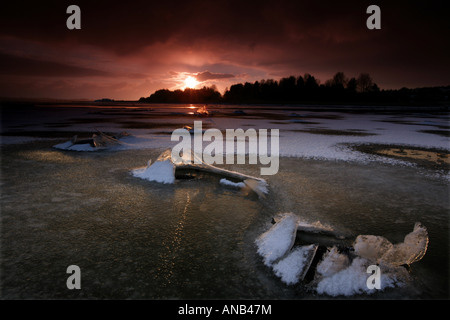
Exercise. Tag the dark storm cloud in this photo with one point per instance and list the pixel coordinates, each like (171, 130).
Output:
(206, 75)
(13, 65)
(127, 26)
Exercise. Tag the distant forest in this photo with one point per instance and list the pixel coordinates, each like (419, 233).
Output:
(306, 89)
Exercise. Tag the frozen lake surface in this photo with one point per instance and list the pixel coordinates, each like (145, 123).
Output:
(195, 239)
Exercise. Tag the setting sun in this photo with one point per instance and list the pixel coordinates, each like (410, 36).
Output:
(190, 82)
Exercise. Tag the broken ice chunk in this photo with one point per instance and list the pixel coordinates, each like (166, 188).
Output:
(98, 141)
(332, 262)
(279, 239)
(378, 249)
(371, 247)
(312, 227)
(160, 171)
(412, 249)
(258, 186)
(294, 266)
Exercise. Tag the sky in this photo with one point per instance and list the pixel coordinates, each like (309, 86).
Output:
(129, 49)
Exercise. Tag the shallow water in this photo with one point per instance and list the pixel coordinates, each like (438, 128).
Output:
(195, 239)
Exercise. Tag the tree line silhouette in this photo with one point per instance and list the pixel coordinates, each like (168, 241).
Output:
(305, 89)
(188, 95)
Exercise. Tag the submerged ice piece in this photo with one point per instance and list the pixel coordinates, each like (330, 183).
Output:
(164, 170)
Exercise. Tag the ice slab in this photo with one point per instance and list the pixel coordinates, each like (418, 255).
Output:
(98, 141)
(259, 186)
(380, 250)
(278, 240)
(412, 249)
(163, 170)
(314, 227)
(371, 247)
(311, 227)
(160, 171)
(294, 266)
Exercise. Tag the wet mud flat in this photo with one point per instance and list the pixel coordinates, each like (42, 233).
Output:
(428, 158)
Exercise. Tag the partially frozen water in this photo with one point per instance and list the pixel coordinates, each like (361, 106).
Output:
(134, 238)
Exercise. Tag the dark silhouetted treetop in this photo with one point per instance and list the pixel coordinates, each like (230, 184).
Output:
(306, 89)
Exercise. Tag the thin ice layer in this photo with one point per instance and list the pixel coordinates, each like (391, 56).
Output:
(294, 266)
(278, 240)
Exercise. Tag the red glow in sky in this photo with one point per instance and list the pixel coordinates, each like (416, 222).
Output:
(127, 50)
